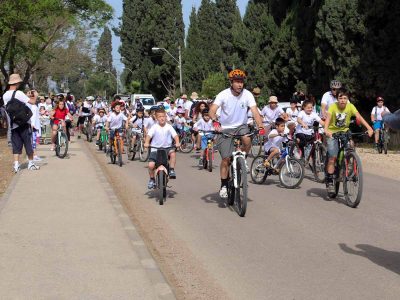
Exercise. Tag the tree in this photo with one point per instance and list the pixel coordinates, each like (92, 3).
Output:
(213, 84)
(28, 28)
(104, 59)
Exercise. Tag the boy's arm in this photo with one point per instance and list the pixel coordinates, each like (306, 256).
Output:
(365, 123)
(107, 125)
(147, 141)
(176, 139)
(300, 121)
(327, 121)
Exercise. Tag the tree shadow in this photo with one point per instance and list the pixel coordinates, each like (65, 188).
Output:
(390, 260)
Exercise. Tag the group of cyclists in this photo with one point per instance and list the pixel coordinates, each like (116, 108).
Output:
(234, 112)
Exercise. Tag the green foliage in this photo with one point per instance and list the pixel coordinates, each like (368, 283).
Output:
(134, 87)
(104, 59)
(213, 84)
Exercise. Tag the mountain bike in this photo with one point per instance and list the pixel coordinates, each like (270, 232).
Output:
(208, 155)
(162, 173)
(117, 148)
(384, 138)
(237, 184)
(186, 141)
(290, 169)
(348, 169)
(315, 151)
(88, 129)
(61, 147)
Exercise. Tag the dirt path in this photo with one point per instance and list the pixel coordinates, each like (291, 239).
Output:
(380, 164)
(6, 159)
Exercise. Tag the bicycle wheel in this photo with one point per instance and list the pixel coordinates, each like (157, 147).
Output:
(352, 179)
(291, 174)
(57, 147)
(205, 162)
(143, 152)
(231, 193)
(162, 189)
(100, 145)
(130, 150)
(241, 190)
(120, 146)
(187, 144)
(113, 155)
(63, 145)
(255, 146)
(258, 171)
(210, 155)
(318, 163)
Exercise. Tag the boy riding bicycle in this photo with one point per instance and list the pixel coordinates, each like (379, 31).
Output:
(204, 124)
(137, 123)
(99, 122)
(338, 120)
(161, 135)
(276, 137)
(376, 117)
(115, 121)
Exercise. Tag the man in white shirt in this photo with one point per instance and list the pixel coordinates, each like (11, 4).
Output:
(181, 101)
(21, 135)
(376, 117)
(329, 97)
(234, 103)
(271, 112)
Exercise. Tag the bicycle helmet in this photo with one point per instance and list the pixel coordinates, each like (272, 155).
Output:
(140, 109)
(115, 103)
(378, 99)
(237, 74)
(180, 111)
(153, 108)
(102, 110)
(336, 84)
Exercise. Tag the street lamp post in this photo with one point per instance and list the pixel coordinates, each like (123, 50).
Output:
(179, 61)
(116, 79)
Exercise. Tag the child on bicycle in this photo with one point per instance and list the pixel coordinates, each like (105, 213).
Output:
(161, 135)
(338, 120)
(276, 137)
(305, 120)
(115, 121)
(204, 124)
(376, 117)
(99, 122)
(179, 121)
(137, 124)
(58, 115)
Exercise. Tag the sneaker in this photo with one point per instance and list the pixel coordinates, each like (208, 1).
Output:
(172, 174)
(33, 167)
(152, 184)
(200, 162)
(267, 164)
(16, 169)
(223, 192)
(37, 158)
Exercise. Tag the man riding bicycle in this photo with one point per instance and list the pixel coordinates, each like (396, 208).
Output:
(233, 103)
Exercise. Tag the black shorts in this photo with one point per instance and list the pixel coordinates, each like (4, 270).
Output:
(81, 120)
(22, 137)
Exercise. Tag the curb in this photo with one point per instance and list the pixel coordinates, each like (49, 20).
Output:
(161, 287)
(7, 194)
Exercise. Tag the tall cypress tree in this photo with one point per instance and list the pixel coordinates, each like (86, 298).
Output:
(104, 52)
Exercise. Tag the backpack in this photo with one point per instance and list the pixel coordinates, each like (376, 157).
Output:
(18, 111)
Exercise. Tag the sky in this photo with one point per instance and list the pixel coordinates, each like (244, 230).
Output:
(187, 8)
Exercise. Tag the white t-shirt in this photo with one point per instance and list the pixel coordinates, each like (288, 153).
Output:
(139, 123)
(309, 120)
(292, 114)
(86, 107)
(203, 125)
(234, 108)
(99, 120)
(270, 115)
(149, 122)
(161, 136)
(179, 122)
(19, 96)
(328, 99)
(180, 102)
(377, 112)
(116, 121)
(275, 142)
(172, 112)
(188, 105)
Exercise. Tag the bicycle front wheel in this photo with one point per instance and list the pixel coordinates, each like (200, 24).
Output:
(242, 188)
(291, 174)
(120, 146)
(63, 145)
(130, 150)
(210, 156)
(187, 144)
(162, 188)
(318, 163)
(352, 179)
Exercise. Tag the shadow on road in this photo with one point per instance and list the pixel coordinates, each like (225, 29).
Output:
(214, 198)
(153, 194)
(388, 259)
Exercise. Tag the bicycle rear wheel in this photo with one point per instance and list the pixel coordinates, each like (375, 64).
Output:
(291, 174)
(318, 163)
(352, 179)
(162, 189)
(241, 190)
(258, 171)
(210, 156)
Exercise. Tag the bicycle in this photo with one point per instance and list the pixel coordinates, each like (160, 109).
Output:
(237, 184)
(384, 138)
(348, 169)
(61, 147)
(162, 172)
(290, 169)
(208, 155)
(186, 141)
(137, 147)
(116, 148)
(88, 129)
(103, 143)
(316, 152)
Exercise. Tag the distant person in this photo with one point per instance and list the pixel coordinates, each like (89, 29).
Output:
(376, 117)
(330, 97)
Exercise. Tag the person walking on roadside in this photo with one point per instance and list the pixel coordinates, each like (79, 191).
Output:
(21, 130)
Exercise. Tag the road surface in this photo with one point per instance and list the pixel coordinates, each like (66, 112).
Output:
(292, 244)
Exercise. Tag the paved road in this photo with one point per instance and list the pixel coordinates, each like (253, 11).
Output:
(292, 244)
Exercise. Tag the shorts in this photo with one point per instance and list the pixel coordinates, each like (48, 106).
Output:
(225, 144)
(153, 155)
(112, 132)
(81, 119)
(22, 137)
(204, 140)
(333, 147)
(377, 125)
